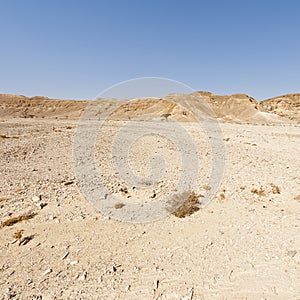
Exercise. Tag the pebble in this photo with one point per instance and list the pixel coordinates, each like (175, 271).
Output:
(37, 198)
(48, 271)
(153, 195)
(127, 287)
(41, 205)
(74, 262)
(83, 276)
(292, 253)
(65, 255)
(155, 284)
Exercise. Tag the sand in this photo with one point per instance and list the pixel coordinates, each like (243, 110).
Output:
(244, 244)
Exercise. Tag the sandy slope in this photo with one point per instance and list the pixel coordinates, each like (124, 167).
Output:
(244, 245)
(238, 108)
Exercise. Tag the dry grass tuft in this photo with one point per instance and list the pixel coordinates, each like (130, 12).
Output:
(18, 234)
(297, 198)
(206, 187)
(18, 219)
(259, 192)
(3, 136)
(184, 205)
(119, 205)
(275, 189)
(222, 196)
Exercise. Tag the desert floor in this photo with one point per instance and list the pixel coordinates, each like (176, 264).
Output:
(244, 245)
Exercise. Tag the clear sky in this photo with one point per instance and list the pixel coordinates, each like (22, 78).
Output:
(75, 49)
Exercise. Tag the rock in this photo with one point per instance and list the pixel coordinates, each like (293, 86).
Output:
(37, 198)
(292, 253)
(127, 287)
(48, 271)
(65, 255)
(83, 276)
(155, 284)
(74, 262)
(25, 240)
(153, 195)
(41, 205)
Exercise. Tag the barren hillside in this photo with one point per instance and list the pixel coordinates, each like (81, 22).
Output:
(287, 106)
(237, 108)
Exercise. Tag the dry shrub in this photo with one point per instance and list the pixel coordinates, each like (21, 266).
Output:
(275, 189)
(297, 198)
(18, 219)
(183, 205)
(18, 234)
(222, 196)
(119, 205)
(3, 136)
(206, 187)
(259, 192)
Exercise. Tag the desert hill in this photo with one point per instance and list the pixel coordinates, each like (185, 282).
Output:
(236, 108)
(287, 106)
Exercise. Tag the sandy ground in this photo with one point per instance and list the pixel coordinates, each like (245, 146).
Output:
(244, 245)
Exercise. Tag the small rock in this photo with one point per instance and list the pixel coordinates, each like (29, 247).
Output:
(153, 195)
(127, 287)
(65, 255)
(37, 198)
(25, 240)
(155, 284)
(83, 276)
(292, 253)
(68, 182)
(74, 262)
(41, 205)
(48, 271)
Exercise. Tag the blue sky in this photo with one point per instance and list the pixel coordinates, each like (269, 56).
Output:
(76, 49)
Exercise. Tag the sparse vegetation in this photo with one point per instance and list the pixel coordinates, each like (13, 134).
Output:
(119, 205)
(3, 136)
(18, 234)
(297, 198)
(222, 196)
(183, 208)
(275, 189)
(206, 187)
(260, 192)
(18, 219)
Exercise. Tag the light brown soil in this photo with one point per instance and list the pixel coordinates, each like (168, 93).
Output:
(244, 245)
